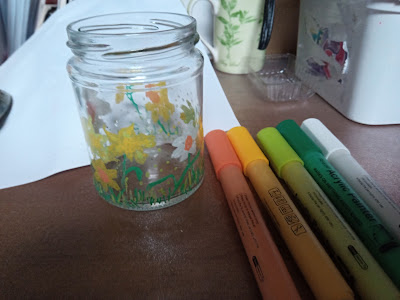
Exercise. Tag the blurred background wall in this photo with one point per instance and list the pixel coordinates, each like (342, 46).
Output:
(19, 19)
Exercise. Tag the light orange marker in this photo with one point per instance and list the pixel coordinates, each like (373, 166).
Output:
(269, 269)
(319, 271)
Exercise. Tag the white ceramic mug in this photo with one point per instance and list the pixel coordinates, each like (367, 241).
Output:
(237, 29)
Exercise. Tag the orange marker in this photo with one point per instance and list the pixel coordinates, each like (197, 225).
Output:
(270, 271)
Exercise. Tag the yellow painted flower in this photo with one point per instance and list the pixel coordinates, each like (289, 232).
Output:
(105, 176)
(200, 137)
(95, 140)
(119, 96)
(159, 104)
(127, 142)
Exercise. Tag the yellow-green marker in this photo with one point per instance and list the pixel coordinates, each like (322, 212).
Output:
(367, 277)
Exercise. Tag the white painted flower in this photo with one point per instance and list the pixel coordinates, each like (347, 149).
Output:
(185, 144)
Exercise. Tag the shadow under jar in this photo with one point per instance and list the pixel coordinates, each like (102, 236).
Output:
(138, 81)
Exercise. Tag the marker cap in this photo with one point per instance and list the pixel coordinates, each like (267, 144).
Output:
(297, 138)
(322, 137)
(221, 151)
(276, 149)
(245, 146)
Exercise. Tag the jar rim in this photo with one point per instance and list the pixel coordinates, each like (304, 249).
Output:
(75, 27)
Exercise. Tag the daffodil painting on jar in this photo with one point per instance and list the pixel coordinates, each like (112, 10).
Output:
(148, 153)
(139, 90)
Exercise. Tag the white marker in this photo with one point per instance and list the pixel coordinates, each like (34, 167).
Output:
(366, 187)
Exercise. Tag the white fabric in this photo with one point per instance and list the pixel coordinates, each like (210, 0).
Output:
(43, 135)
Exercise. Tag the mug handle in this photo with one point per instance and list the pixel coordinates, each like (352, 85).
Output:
(215, 4)
(268, 21)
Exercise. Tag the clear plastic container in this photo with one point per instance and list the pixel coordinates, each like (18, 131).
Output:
(138, 81)
(276, 81)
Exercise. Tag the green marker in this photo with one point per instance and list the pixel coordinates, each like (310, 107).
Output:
(358, 266)
(360, 217)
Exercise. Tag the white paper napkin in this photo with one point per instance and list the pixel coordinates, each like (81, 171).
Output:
(43, 135)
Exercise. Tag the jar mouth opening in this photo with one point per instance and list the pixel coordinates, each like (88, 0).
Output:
(134, 24)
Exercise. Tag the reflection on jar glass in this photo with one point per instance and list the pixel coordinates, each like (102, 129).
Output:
(138, 83)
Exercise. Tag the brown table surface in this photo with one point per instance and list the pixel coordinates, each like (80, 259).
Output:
(59, 239)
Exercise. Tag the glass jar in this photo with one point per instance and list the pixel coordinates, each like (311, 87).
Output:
(138, 81)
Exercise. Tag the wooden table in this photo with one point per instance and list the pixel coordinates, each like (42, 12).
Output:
(59, 239)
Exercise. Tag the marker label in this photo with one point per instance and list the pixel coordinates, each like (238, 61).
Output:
(375, 191)
(242, 206)
(284, 208)
(358, 213)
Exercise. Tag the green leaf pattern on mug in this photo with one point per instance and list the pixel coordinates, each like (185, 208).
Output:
(232, 25)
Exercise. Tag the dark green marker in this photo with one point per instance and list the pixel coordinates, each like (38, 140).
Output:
(360, 217)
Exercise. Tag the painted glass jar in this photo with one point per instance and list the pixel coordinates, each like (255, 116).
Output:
(137, 78)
